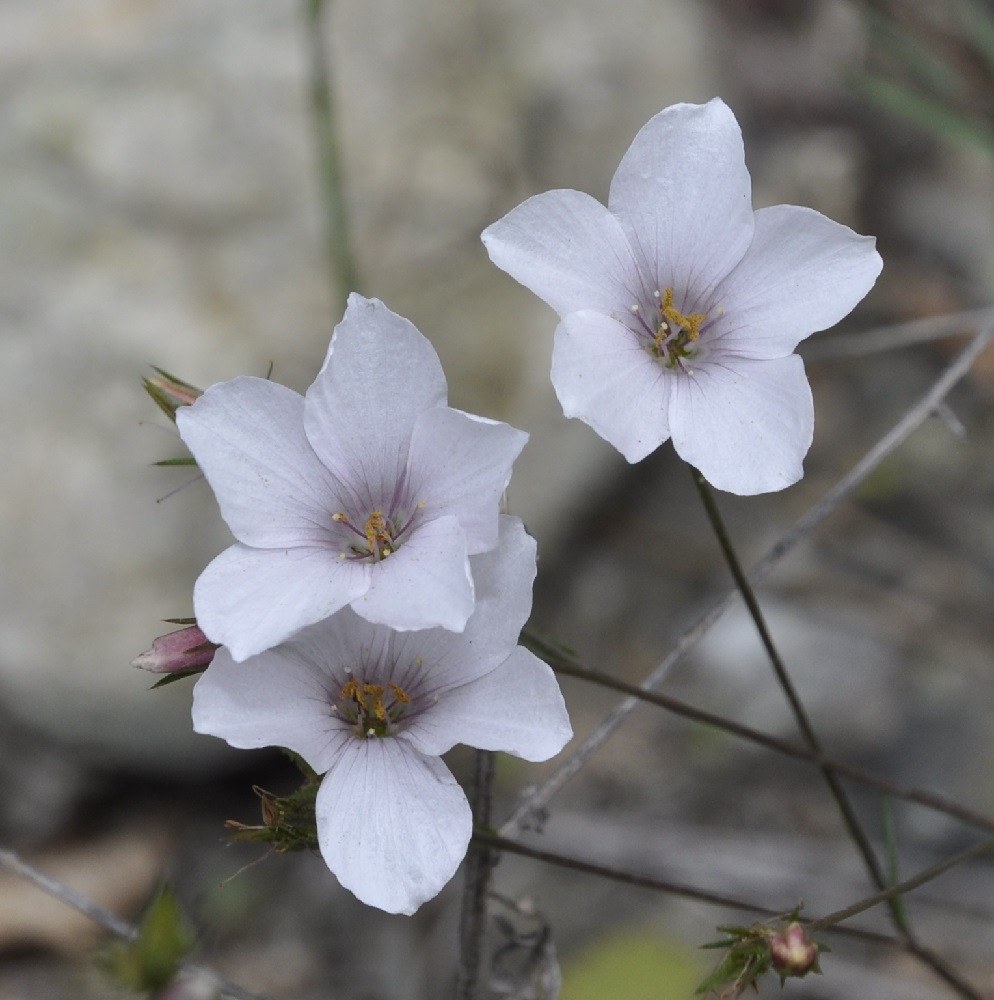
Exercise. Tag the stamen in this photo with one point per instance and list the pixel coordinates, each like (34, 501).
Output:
(352, 692)
(400, 694)
(675, 332)
(375, 692)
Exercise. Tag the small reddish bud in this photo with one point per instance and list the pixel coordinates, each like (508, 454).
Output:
(170, 392)
(185, 649)
(792, 952)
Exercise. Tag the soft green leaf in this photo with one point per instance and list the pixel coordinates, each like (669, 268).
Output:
(164, 939)
(928, 114)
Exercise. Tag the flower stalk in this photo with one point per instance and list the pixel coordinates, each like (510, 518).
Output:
(846, 811)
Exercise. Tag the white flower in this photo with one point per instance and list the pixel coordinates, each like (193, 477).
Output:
(369, 491)
(371, 709)
(680, 307)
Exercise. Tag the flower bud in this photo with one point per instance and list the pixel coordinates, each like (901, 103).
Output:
(792, 952)
(170, 393)
(185, 649)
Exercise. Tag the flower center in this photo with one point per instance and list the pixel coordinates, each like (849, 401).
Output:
(379, 537)
(675, 333)
(371, 709)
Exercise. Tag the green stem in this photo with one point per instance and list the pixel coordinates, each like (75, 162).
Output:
(896, 891)
(341, 259)
(846, 811)
(783, 678)
(479, 865)
(642, 881)
(565, 663)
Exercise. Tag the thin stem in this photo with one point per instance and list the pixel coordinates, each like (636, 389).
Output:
(846, 811)
(110, 922)
(679, 889)
(849, 818)
(898, 890)
(564, 663)
(897, 335)
(341, 259)
(536, 799)
(479, 866)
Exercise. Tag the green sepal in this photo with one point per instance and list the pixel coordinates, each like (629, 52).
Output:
(178, 675)
(288, 822)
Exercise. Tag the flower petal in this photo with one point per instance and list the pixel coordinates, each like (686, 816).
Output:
(393, 825)
(380, 374)
(745, 425)
(569, 250)
(683, 196)
(802, 273)
(270, 700)
(503, 581)
(424, 584)
(251, 599)
(247, 436)
(604, 376)
(460, 465)
(517, 708)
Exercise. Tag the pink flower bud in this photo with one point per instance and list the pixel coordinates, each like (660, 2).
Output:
(170, 393)
(185, 649)
(792, 952)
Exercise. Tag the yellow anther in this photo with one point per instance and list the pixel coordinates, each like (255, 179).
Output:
(352, 692)
(691, 324)
(376, 528)
(375, 692)
(340, 517)
(400, 694)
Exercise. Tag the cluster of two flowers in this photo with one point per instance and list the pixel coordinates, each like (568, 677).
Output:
(370, 609)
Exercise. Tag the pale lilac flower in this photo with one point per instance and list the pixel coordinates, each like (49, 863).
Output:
(372, 709)
(369, 491)
(680, 307)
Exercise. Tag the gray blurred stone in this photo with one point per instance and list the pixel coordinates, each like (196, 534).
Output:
(158, 204)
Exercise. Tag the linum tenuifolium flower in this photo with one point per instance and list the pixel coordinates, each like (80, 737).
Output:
(372, 708)
(680, 307)
(369, 491)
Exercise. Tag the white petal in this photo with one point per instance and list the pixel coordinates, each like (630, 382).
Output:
(426, 583)
(569, 250)
(380, 374)
(603, 375)
(503, 581)
(393, 825)
(251, 599)
(460, 465)
(745, 424)
(270, 700)
(247, 436)
(517, 708)
(683, 195)
(802, 273)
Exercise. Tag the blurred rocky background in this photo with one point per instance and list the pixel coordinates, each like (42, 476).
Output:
(160, 204)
